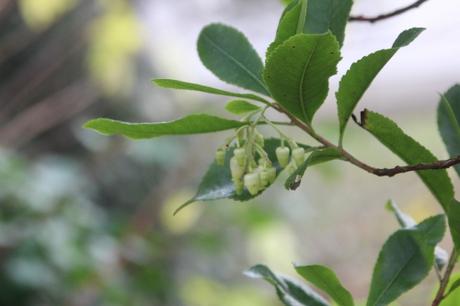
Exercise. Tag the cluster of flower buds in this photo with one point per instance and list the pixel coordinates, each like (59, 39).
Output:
(247, 174)
(250, 166)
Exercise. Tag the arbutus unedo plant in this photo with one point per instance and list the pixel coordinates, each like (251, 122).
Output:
(294, 81)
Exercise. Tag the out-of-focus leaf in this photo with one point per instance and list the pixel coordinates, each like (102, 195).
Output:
(454, 223)
(298, 73)
(175, 84)
(240, 107)
(405, 260)
(193, 124)
(217, 182)
(229, 55)
(325, 279)
(315, 158)
(289, 292)
(406, 221)
(411, 152)
(361, 74)
(448, 121)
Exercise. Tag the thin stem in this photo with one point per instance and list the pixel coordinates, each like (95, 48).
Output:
(388, 15)
(390, 172)
(440, 295)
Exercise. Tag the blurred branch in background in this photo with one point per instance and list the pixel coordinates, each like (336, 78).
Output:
(373, 19)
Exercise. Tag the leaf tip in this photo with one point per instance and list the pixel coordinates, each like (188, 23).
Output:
(180, 208)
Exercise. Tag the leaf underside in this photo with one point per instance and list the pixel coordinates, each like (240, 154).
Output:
(289, 291)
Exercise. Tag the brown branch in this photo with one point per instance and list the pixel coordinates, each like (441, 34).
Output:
(390, 172)
(440, 295)
(394, 13)
(441, 164)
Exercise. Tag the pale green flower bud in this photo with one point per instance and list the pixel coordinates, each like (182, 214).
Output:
(282, 153)
(298, 154)
(239, 186)
(236, 170)
(252, 183)
(240, 155)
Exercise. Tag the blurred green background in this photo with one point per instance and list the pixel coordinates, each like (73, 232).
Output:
(87, 220)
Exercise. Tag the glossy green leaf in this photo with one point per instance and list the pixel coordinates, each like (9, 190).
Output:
(325, 279)
(290, 292)
(405, 260)
(217, 183)
(315, 158)
(361, 74)
(454, 223)
(193, 124)
(229, 55)
(406, 221)
(241, 107)
(313, 17)
(175, 84)
(448, 121)
(298, 73)
(411, 152)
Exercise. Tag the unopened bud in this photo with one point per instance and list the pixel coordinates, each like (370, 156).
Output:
(298, 154)
(236, 170)
(282, 153)
(240, 155)
(252, 183)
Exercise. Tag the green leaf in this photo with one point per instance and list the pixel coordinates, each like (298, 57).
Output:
(298, 73)
(406, 221)
(313, 17)
(217, 183)
(193, 124)
(315, 158)
(405, 260)
(241, 107)
(289, 292)
(361, 74)
(325, 279)
(455, 285)
(411, 152)
(448, 121)
(175, 84)
(454, 223)
(229, 55)
(325, 15)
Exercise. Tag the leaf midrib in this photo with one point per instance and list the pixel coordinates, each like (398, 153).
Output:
(302, 79)
(397, 274)
(251, 74)
(334, 289)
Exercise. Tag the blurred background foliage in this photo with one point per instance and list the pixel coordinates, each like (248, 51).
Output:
(87, 220)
